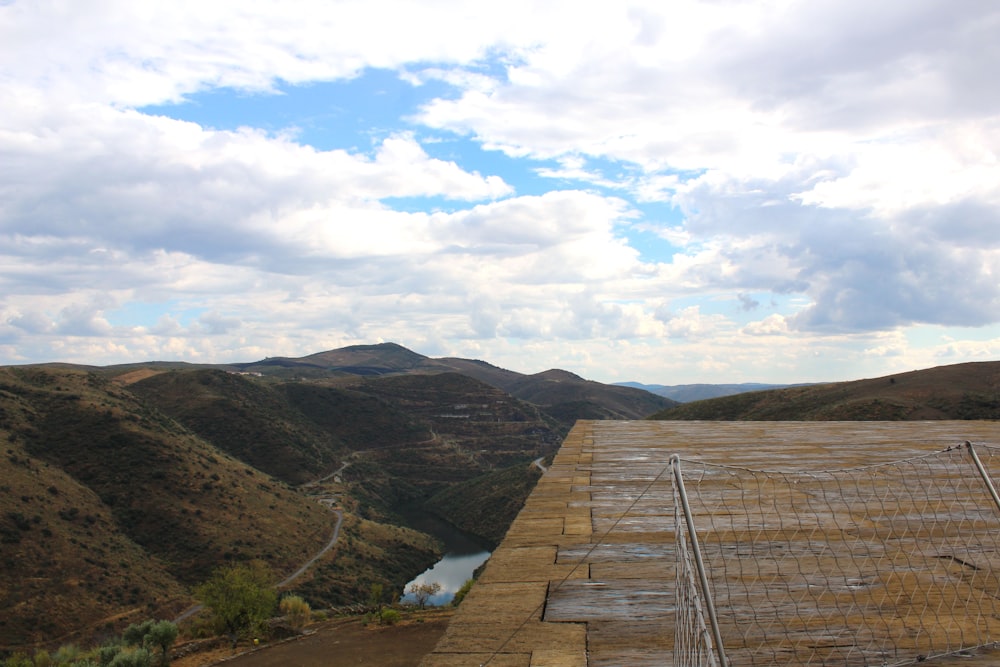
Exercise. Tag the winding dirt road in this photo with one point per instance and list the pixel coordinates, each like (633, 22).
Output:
(299, 572)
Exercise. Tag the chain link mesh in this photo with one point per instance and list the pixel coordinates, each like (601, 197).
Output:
(882, 565)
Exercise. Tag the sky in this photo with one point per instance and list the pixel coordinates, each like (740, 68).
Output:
(664, 192)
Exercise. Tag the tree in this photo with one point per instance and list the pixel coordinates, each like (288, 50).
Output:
(376, 599)
(150, 633)
(162, 634)
(424, 592)
(135, 634)
(107, 652)
(240, 597)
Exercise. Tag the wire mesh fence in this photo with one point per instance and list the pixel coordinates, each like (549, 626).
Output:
(887, 564)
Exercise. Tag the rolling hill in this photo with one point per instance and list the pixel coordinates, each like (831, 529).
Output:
(960, 391)
(124, 486)
(111, 511)
(561, 394)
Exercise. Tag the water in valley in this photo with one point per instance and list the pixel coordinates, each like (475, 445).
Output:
(463, 553)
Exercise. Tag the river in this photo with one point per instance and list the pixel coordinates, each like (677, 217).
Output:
(463, 553)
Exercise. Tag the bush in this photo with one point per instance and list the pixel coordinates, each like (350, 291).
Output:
(296, 611)
(462, 592)
(390, 617)
(68, 654)
(132, 657)
(19, 660)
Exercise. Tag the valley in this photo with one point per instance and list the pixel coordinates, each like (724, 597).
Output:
(124, 487)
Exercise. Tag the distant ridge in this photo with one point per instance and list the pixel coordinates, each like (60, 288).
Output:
(960, 391)
(685, 393)
(564, 395)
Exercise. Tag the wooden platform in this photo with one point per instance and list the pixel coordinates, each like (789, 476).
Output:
(578, 581)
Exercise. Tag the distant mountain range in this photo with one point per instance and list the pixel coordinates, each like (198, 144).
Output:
(685, 393)
(563, 395)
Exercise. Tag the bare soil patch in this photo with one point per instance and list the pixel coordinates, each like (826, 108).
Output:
(135, 376)
(339, 642)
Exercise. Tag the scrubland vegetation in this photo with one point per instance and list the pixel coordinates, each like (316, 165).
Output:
(123, 489)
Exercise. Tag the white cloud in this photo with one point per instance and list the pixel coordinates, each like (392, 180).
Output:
(771, 325)
(841, 153)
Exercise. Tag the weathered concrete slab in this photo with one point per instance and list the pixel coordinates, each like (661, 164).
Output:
(585, 575)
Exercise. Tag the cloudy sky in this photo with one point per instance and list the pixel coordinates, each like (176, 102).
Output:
(665, 192)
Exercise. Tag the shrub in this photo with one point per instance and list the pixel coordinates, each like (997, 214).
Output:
(19, 660)
(68, 654)
(296, 611)
(462, 592)
(132, 657)
(390, 617)
(107, 652)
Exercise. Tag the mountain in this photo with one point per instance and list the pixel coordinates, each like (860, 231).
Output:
(111, 511)
(960, 391)
(685, 393)
(124, 486)
(568, 397)
(561, 394)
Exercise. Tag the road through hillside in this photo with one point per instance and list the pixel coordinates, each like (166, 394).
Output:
(299, 572)
(333, 540)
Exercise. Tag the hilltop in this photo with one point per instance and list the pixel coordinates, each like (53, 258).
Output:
(960, 391)
(560, 393)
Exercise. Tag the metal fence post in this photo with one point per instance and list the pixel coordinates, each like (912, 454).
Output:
(675, 464)
(982, 473)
